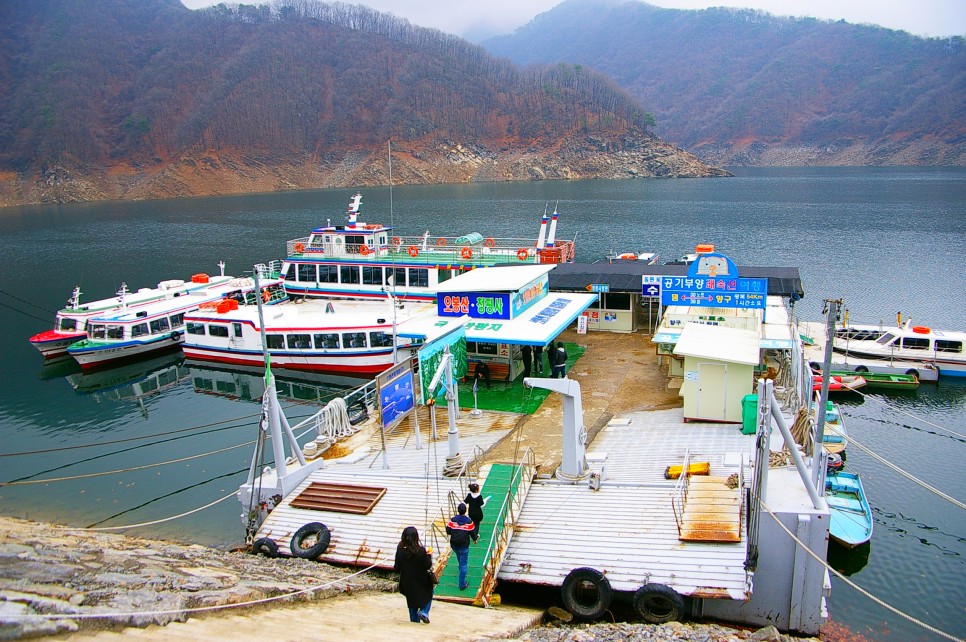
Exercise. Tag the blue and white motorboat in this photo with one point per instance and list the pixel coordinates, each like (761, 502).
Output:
(850, 521)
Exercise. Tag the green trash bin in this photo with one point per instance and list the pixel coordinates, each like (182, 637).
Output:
(749, 414)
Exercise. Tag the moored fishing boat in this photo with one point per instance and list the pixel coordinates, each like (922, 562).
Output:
(850, 520)
(912, 346)
(131, 332)
(839, 383)
(883, 380)
(834, 436)
(364, 260)
(70, 323)
(343, 336)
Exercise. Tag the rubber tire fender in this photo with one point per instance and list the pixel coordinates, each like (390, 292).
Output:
(569, 593)
(658, 603)
(913, 371)
(265, 546)
(323, 536)
(861, 369)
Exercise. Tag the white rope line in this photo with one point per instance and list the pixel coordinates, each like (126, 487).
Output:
(123, 470)
(197, 609)
(908, 476)
(157, 521)
(856, 586)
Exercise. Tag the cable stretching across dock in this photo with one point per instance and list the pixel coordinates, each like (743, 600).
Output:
(909, 414)
(858, 588)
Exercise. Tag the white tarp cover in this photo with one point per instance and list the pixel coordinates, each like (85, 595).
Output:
(539, 324)
(494, 279)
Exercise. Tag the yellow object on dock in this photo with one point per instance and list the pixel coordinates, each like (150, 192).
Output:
(697, 468)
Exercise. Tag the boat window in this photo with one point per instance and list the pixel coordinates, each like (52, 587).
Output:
(349, 274)
(139, 330)
(236, 329)
(177, 320)
(354, 339)
(327, 341)
(196, 328)
(275, 341)
(159, 325)
(97, 332)
(444, 275)
(355, 239)
(886, 339)
(372, 275)
(289, 272)
(380, 339)
(328, 274)
(945, 345)
(68, 324)
(115, 332)
(306, 272)
(916, 343)
(218, 330)
(299, 341)
(389, 274)
(419, 277)
(617, 301)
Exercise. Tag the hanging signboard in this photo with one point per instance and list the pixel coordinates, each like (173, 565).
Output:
(396, 398)
(651, 286)
(713, 281)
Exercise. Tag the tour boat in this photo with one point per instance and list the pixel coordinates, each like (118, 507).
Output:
(910, 345)
(850, 516)
(70, 324)
(343, 336)
(364, 260)
(131, 332)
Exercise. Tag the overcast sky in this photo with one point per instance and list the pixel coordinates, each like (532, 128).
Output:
(475, 19)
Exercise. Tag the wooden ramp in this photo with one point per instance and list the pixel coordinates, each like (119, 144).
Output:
(712, 511)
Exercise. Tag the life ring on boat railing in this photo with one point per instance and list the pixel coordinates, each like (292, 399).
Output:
(266, 295)
(466, 253)
(396, 241)
(489, 242)
(313, 531)
(658, 603)
(921, 329)
(441, 241)
(364, 250)
(586, 593)
(299, 248)
(265, 546)
(413, 251)
(523, 254)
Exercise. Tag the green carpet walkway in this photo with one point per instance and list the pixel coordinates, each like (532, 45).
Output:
(498, 483)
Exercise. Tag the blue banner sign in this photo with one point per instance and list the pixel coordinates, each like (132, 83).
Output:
(489, 305)
(713, 281)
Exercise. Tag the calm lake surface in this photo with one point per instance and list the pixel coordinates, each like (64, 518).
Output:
(883, 239)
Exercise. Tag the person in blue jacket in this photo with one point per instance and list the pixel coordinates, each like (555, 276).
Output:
(461, 531)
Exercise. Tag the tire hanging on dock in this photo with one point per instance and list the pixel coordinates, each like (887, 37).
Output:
(586, 593)
(321, 534)
(658, 604)
(265, 546)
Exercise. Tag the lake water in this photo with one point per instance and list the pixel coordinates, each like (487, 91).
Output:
(883, 239)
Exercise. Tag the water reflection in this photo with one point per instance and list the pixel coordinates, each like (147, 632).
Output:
(848, 561)
(241, 383)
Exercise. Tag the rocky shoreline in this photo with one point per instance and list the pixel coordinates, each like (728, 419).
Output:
(76, 574)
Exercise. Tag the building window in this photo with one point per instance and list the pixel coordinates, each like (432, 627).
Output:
(617, 301)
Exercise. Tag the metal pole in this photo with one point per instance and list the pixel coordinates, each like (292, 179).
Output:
(818, 452)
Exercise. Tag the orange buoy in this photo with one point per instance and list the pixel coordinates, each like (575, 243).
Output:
(489, 242)
(466, 253)
(396, 241)
(921, 329)
(364, 250)
(199, 278)
(413, 251)
(299, 248)
(441, 241)
(522, 254)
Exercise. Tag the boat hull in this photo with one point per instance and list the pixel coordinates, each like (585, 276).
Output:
(850, 522)
(358, 364)
(90, 354)
(53, 344)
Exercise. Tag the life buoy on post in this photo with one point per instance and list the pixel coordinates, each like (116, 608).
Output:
(364, 250)
(466, 253)
(299, 248)
(586, 593)
(413, 251)
(441, 241)
(523, 254)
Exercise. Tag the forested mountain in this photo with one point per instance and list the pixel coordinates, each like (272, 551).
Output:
(144, 98)
(744, 87)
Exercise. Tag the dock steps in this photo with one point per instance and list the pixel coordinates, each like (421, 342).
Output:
(712, 511)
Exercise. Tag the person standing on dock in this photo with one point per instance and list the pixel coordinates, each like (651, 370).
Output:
(475, 502)
(460, 531)
(415, 564)
(538, 359)
(527, 359)
(559, 360)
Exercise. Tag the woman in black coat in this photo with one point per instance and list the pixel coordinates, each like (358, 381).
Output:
(414, 563)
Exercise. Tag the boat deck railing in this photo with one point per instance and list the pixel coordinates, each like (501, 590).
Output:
(680, 495)
(439, 250)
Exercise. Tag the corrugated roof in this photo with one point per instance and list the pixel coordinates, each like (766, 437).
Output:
(719, 343)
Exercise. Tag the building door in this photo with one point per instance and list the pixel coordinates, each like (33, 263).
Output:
(712, 386)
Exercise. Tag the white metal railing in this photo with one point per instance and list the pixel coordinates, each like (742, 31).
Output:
(680, 494)
(433, 249)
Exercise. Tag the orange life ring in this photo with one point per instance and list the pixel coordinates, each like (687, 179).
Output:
(921, 329)
(299, 248)
(466, 253)
(441, 241)
(413, 251)
(489, 242)
(266, 295)
(364, 250)
(522, 254)
(396, 241)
